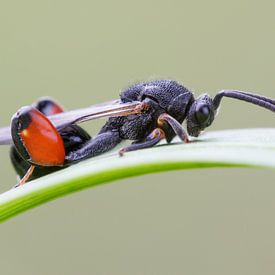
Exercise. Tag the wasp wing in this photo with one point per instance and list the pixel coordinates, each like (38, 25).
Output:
(5, 136)
(111, 109)
(107, 109)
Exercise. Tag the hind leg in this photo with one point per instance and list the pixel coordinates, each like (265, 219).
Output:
(94, 147)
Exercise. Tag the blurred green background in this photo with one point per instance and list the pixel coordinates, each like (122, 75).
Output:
(214, 221)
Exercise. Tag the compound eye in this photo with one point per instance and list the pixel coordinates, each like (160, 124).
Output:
(203, 114)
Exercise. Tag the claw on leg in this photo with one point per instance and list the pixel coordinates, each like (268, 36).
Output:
(176, 126)
(156, 136)
(26, 177)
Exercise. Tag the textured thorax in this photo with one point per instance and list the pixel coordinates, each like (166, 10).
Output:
(167, 96)
(171, 96)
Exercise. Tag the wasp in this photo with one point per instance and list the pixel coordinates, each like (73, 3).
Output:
(45, 138)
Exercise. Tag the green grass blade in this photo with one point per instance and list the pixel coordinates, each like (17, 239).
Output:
(231, 148)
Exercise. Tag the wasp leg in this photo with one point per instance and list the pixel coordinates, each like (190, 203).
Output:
(156, 136)
(94, 147)
(176, 126)
(26, 177)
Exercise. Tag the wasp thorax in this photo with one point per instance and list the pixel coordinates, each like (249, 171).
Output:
(201, 115)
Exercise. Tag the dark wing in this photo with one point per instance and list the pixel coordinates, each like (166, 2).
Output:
(107, 109)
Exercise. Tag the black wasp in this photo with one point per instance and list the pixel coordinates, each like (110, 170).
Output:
(44, 138)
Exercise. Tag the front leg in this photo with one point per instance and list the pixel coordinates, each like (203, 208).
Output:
(102, 143)
(158, 134)
(175, 125)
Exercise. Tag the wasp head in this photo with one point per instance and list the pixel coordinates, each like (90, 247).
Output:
(201, 115)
